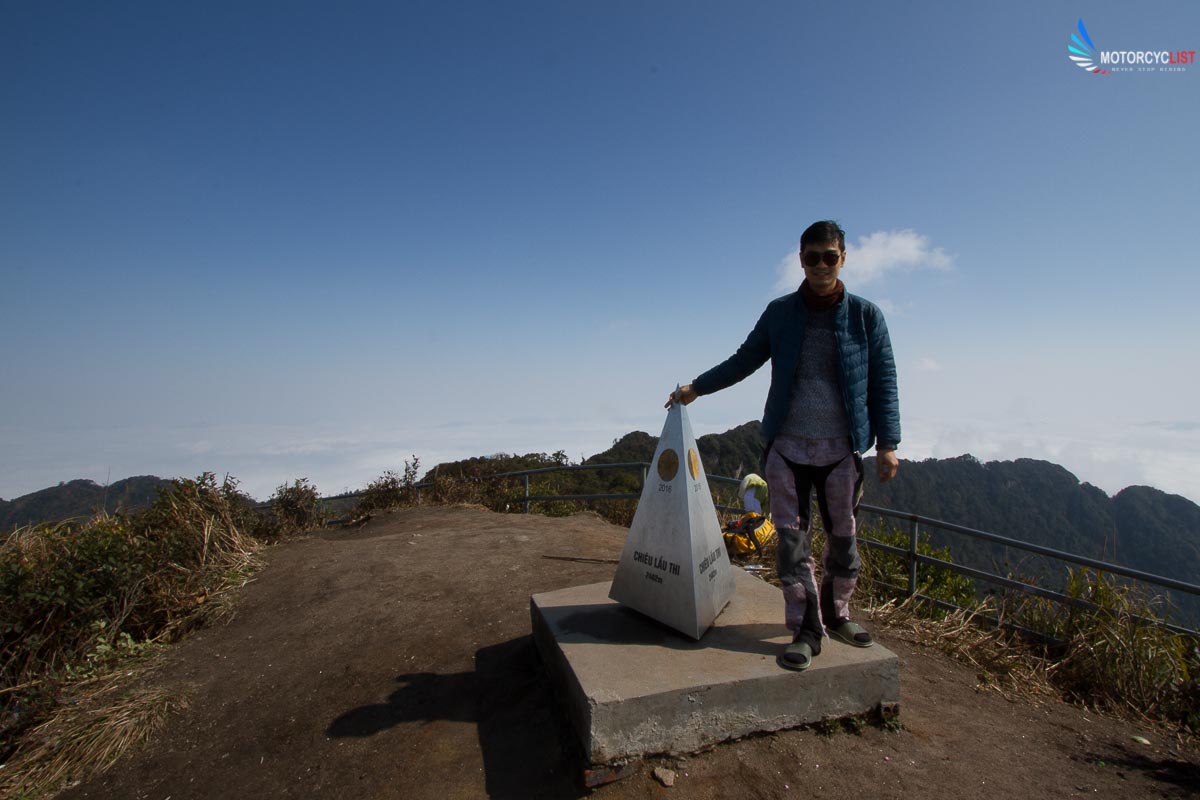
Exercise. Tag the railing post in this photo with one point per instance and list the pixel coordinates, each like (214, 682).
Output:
(526, 494)
(912, 557)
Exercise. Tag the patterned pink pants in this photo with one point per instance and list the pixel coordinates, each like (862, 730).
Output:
(795, 469)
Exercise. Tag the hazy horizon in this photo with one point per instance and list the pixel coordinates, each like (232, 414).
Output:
(426, 466)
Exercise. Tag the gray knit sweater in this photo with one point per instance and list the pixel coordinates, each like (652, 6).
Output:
(816, 410)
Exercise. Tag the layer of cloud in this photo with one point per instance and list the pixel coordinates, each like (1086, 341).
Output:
(1178, 426)
(874, 256)
(264, 457)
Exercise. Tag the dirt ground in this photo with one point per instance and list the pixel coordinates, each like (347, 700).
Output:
(395, 661)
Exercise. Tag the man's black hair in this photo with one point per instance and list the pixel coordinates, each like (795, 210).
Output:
(821, 232)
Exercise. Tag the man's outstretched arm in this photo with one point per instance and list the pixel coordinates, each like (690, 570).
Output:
(753, 353)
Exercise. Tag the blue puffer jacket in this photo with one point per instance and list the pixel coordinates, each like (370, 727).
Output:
(867, 376)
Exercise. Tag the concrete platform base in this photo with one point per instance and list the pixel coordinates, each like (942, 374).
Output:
(634, 687)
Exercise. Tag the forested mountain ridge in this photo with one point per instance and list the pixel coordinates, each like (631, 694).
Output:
(1042, 503)
(1026, 499)
(79, 498)
(733, 453)
(1158, 532)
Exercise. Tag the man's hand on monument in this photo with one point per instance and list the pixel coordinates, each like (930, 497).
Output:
(685, 395)
(887, 464)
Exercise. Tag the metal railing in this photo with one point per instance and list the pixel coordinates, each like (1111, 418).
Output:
(914, 558)
(644, 466)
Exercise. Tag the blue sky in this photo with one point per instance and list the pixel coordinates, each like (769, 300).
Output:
(312, 239)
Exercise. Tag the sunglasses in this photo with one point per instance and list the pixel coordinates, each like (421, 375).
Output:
(830, 257)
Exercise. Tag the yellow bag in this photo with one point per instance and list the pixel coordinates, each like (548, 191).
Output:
(749, 535)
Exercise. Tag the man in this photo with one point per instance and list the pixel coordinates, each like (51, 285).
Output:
(833, 395)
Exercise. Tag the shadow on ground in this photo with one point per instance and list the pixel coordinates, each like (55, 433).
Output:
(1182, 777)
(527, 744)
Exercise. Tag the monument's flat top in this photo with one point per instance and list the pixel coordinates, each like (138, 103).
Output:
(617, 653)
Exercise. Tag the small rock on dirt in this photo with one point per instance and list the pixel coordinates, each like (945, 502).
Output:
(665, 776)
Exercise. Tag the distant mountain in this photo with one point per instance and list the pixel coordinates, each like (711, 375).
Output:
(482, 466)
(79, 498)
(1158, 532)
(1034, 501)
(1042, 503)
(632, 447)
(733, 453)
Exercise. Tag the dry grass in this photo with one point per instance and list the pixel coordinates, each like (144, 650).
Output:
(1126, 668)
(233, 558)
(99, 720)
(1010, 668)
(85, 606)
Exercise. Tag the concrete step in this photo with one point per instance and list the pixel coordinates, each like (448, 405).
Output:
(634, 687)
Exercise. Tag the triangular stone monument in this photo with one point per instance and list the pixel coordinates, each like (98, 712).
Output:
(674, 567)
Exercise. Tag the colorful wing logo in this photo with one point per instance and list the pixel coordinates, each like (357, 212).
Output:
(1081, 50)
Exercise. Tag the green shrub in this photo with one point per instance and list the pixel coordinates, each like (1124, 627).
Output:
(1116, 655)
(297, 507)
(382, 494)
(390, 491)
(883, 572)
